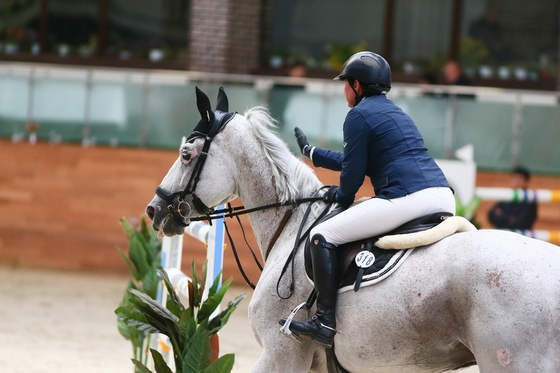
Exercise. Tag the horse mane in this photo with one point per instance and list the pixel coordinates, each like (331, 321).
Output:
(293, 178)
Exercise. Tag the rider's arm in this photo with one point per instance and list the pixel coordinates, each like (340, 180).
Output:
(355, 155)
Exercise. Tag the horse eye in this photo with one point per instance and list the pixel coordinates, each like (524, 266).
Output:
(186, 156)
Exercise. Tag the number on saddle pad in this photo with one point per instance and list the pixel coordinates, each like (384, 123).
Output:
(364, 259)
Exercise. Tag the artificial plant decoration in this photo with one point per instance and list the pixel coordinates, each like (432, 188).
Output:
(189, 329)
(143, 261)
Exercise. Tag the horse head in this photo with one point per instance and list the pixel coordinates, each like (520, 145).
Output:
(183, 193)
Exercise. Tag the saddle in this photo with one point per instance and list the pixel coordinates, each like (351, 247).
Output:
(375, 263)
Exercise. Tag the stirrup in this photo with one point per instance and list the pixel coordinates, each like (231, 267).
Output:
(286, 327)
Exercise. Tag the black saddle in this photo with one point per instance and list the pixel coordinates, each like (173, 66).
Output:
(350, 272)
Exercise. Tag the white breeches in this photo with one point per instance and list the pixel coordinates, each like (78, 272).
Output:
(376, 215)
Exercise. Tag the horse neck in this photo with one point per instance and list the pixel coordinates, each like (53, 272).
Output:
(257, 186)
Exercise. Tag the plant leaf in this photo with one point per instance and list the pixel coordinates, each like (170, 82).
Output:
(144, 230)
(215, 284)
(151, 279)
(217, 322)
(197, 292)
(141, 367)
(138, 254)
(130, 266)
(173, 302)
(224, 364)
(212, 302)
(131, 316)
(198, 353)
(202, 281)
(129, 230)
(159, 362)
(124, 329)
(191, 295)
(153, 314)
(187, 327)
(155, 306)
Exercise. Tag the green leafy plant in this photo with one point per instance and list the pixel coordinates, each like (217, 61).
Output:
(143, 261)
(468, 210)
(189, 329)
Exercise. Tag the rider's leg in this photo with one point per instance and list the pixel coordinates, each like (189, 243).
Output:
(350, 225)
(377, 215)
(322, 326)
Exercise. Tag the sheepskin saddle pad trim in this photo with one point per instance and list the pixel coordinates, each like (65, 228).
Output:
(367, 262)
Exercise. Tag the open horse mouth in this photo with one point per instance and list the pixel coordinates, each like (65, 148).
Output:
(168, 227)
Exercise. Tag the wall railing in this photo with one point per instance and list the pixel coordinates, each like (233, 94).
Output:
(155, 108)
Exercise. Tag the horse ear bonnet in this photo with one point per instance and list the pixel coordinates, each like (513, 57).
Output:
(223, 104)
(203, 105)
(209, 117)
(206, 114)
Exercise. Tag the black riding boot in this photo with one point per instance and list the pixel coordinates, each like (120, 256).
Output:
(322, 326)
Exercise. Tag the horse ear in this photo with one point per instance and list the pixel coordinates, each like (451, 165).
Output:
(223, 104)
(203, 105)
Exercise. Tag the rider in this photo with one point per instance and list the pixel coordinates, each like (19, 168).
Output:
(382, 142)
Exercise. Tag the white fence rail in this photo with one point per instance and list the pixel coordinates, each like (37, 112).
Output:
(525, 195)
(518, 195)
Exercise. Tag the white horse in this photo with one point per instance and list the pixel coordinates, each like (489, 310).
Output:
(486, 297)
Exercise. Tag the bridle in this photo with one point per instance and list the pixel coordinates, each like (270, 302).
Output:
(177, 207)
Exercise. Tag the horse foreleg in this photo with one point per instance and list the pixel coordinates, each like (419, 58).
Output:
(280, 353)
(279, 359)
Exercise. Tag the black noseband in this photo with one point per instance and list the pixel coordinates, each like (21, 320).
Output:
(177, 206)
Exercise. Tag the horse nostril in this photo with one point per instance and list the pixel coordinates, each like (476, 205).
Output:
(150, 211)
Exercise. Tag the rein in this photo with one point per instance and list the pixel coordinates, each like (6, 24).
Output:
(241, 210)
(231, 212)
(300, 238)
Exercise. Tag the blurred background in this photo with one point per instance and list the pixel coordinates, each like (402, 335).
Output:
(95, 96)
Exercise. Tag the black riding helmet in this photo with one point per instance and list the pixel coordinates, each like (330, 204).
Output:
(370, 69)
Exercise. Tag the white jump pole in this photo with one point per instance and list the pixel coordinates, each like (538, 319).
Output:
(215, 255)
(171, 256)
(525, 195)
(543, 235)
(518, 195)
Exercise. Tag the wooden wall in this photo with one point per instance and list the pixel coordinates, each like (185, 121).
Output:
(60, 206)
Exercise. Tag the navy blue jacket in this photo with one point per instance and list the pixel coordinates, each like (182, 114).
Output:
(382, 142)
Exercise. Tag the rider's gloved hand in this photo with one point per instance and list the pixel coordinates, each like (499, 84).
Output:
(333, 195)
(302, 142)
(330, 195)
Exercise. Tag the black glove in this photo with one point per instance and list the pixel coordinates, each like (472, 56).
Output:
(330, 195)
(302, 142)
(333, 196)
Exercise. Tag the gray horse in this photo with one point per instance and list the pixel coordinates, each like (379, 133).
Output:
(487, 297)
